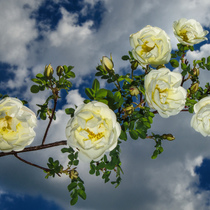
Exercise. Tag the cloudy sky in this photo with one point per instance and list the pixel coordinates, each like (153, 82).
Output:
(69, 32)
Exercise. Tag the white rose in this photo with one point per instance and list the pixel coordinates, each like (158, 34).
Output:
(16, 125)
(151, 45)
(189, 32)
(164, 93)
(201, 119)
(93, 130)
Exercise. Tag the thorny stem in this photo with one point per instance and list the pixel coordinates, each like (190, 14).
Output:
(118, 84)
(51, 117)
(184, 80)
(32, 164)
(34, 148)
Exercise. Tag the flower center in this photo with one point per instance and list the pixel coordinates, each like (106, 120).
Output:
(92, 136)
(162, 94)
(187, 35)
(7, 126)
(147, 47)
(5, 123)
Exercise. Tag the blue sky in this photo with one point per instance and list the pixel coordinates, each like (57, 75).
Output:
(35, 33)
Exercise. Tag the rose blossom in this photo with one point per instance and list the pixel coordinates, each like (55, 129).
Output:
(93, 130)
(164, 93)
(151, 45)
(16, 125)
(189, 32)
(201, 119)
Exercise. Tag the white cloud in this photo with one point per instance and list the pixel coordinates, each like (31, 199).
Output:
(73, 98)
(17, 30)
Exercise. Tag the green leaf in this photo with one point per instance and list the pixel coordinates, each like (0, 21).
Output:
(96, 85)
(42, 87)
(97, 173)
(71, 74)
(50, 160)
(74, 200)
(125, 126)
(39, 76)
(174, 63)
(125, 57)
(191, 48)
(92, 171)
(183, 66)
(69, 111)
(72, 186)
(160, 149)
(142, 134)
(82, 194)
(37, 81)
(102, 93)
(90, 93)
(155, 154)
(81, 186)
(184, 73)
(34, 89)
(134, 134)
(117, 96)
(208, 59)
(76, 162)
(70, 68)
(43, 115)
(65, 69)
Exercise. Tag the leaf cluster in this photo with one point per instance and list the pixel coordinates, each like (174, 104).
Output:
(106, 166)
(158, 147)
(54, 166)
(76, 187)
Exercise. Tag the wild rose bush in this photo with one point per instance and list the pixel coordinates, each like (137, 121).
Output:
(97, 128)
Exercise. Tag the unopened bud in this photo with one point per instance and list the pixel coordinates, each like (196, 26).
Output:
(129, 110)
(59, 70)
(107, 63)
(168, 137)
(134, 65)
(48, 71)
(194, 88)
(196, 72)
(73, 174)
(134, 91)
(160, 66)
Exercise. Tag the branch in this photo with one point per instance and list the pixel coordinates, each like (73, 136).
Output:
(34, 148)
(51, 118)
(32, 164)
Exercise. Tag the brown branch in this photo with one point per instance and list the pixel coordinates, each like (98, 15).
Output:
(51, 118)
(32, 164)
(34, 148)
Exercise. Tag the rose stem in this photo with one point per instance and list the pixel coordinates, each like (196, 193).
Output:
(32, 164)
(34, 148)
(51, 118)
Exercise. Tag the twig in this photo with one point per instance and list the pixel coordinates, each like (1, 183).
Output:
(51, 118)
(34, 148)
(32, 164)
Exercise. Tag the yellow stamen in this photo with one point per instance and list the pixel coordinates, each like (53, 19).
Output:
(92, 136)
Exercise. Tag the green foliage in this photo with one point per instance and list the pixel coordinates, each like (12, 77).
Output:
(105, 166)
(54, 166)
(158, 147)
(76, 187)
(70, 111)
(174, 63)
